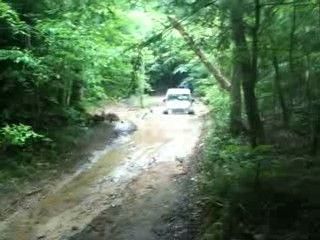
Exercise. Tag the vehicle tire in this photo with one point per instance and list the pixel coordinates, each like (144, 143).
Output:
(165, 112)
(191, 112)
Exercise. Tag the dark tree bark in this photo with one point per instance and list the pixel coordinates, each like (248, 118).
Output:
(255, 41)
(216, 72)
(312, 95)
(319, 12)
(236, 125)
(76, 89)
(315, 122)
(278, 88)
(291, 57)
(292, 39)
(315, 147)
(249, 75)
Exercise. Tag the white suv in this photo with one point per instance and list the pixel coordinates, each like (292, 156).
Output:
(178, 100)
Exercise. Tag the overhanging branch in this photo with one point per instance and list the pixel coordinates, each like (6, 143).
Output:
(215, 71)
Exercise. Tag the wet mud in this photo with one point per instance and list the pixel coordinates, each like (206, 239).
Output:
(128, 190)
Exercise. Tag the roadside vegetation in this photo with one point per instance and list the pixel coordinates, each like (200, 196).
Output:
(60, 59)
(260, 168)
(255, 63)
(266, 192)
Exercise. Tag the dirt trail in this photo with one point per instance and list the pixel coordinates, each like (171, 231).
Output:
(127, 189)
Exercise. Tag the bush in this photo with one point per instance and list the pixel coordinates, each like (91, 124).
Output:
(18, 135)
(258, 192)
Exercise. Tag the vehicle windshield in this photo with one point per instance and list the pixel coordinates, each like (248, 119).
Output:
(182, 97)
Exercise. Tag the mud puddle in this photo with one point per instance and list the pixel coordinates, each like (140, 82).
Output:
(123, 192)
(146, 203)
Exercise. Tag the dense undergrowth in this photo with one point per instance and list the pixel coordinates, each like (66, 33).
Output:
(37, 159)
(269, 192)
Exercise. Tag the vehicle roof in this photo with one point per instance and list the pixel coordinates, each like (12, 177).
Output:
(178, 91)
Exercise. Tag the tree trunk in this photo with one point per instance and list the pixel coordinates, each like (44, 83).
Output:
(256, 127)
(236, 126)
(216, 72)
(249, 75)
(277, 83)
(315, 149)
(76, 94)
(292, 37)
(255, 41)
(319, 12)
(291, 57)
(69, 92)
(313, 92)
(315, 116)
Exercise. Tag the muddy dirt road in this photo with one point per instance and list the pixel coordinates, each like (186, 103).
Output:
(125, 191)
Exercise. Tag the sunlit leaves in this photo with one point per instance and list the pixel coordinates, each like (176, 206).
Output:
(11, 17)
(18, 135)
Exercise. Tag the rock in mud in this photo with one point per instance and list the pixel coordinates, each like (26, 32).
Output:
(110, 117)
(125, 127)
(74, 228)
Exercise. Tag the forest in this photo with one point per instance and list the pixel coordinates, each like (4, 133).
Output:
(254, 63)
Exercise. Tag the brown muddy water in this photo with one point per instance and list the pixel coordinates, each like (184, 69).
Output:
(124, 191)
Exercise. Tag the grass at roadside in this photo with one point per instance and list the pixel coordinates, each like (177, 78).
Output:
(22, 163)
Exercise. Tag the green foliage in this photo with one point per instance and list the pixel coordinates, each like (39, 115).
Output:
(11, 17)
(56, 57)
(218, 102)
(69, 59)
(257, 192)
(18, 135)
(172, 62)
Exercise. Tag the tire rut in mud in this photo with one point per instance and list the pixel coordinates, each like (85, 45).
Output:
(156, 213)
